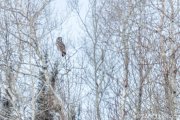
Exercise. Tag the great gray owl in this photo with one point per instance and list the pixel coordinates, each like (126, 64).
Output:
(60, 45)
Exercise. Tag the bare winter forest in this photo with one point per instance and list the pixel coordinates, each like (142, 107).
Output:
(122, 63)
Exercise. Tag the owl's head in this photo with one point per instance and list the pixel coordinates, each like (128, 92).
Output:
(59, 39)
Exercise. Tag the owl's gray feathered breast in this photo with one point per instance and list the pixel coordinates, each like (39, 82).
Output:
(60, 45)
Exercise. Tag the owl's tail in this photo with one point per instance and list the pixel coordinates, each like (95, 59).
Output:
(63, 54)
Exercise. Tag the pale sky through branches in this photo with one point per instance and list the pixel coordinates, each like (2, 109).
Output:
(71, 27)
